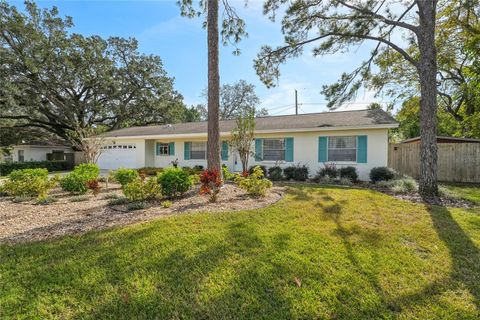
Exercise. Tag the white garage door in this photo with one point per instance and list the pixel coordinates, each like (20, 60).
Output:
(118, 156)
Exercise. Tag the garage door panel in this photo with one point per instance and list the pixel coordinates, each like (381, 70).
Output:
(118, 156)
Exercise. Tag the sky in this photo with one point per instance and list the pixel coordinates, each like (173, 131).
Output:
(182, 45)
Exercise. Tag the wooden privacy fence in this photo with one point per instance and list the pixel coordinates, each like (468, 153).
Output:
(457, 162)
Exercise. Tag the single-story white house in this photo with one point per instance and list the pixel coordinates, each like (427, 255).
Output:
(347, 138)
(40, 152)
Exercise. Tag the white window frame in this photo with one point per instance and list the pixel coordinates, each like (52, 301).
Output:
(342, 161)
(163, 144)
(191, 149)
(284, 150)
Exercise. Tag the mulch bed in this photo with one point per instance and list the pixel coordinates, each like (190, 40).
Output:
(27, 221)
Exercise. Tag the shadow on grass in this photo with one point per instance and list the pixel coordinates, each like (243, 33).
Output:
(465, 270)
(463, 251)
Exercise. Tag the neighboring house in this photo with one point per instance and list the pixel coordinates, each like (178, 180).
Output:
(39, 152)
(347, 138)
(444, 140)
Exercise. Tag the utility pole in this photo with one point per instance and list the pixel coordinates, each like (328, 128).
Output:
(296, 102)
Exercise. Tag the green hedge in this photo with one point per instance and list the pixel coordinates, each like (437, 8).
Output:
(6, 168)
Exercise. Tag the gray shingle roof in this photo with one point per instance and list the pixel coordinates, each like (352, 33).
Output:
(339, 119)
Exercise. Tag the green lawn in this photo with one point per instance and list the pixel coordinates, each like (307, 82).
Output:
(320, 253)
(467, 192)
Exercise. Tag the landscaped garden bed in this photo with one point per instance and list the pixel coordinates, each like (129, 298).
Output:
(70, 214)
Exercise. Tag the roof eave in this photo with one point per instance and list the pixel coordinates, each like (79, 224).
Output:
(224, 133)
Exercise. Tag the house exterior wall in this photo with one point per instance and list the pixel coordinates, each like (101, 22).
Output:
(37, 153)
(305, 151)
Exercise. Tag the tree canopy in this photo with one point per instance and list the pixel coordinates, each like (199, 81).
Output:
(59, 81)
(337, 26)
(236, 99)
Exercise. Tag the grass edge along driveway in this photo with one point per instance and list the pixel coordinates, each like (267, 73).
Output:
(322, 252)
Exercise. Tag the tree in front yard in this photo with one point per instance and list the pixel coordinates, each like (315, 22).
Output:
(233, 28)
(242, 137)
(337, 25)
(57, 80)
(89, 141)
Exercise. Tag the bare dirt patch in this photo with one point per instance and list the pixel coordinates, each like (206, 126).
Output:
(27, 221)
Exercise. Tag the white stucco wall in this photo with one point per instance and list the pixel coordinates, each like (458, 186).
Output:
(305, 151)
(37, 153)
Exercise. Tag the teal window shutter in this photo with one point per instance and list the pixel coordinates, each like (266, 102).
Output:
(362, 149)
(157, 149)
(289, 149)
(186, 150)
(171, 149)
(224, 150)
(322, 149)
(258, 149)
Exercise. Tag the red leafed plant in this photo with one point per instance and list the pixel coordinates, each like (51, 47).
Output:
(211, 183)
(94, 185)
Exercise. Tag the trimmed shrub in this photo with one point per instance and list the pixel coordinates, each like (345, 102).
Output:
(348, 173)
(301, 173)
(227, 175)
(76, 181)
(329, 170)
(174, 182)
(289, 172)
(297, 173)
(254, 184)
(124, 176)
(89, 171)
(263, 168)
(275, 173)
(381, 174)
(149, 171)
(7, 167)
(141, 190)
(29, 183)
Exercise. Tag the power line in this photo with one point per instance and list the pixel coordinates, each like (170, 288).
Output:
(283, 110)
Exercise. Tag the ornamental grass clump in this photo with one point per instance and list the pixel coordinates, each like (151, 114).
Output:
(211, 183)
(254, 184)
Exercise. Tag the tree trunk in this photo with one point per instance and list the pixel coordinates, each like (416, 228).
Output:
(427, 68)
(213, 144)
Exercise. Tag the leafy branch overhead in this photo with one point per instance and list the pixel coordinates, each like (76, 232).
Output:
(335, 26)
(58, 81)
(233, 28)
